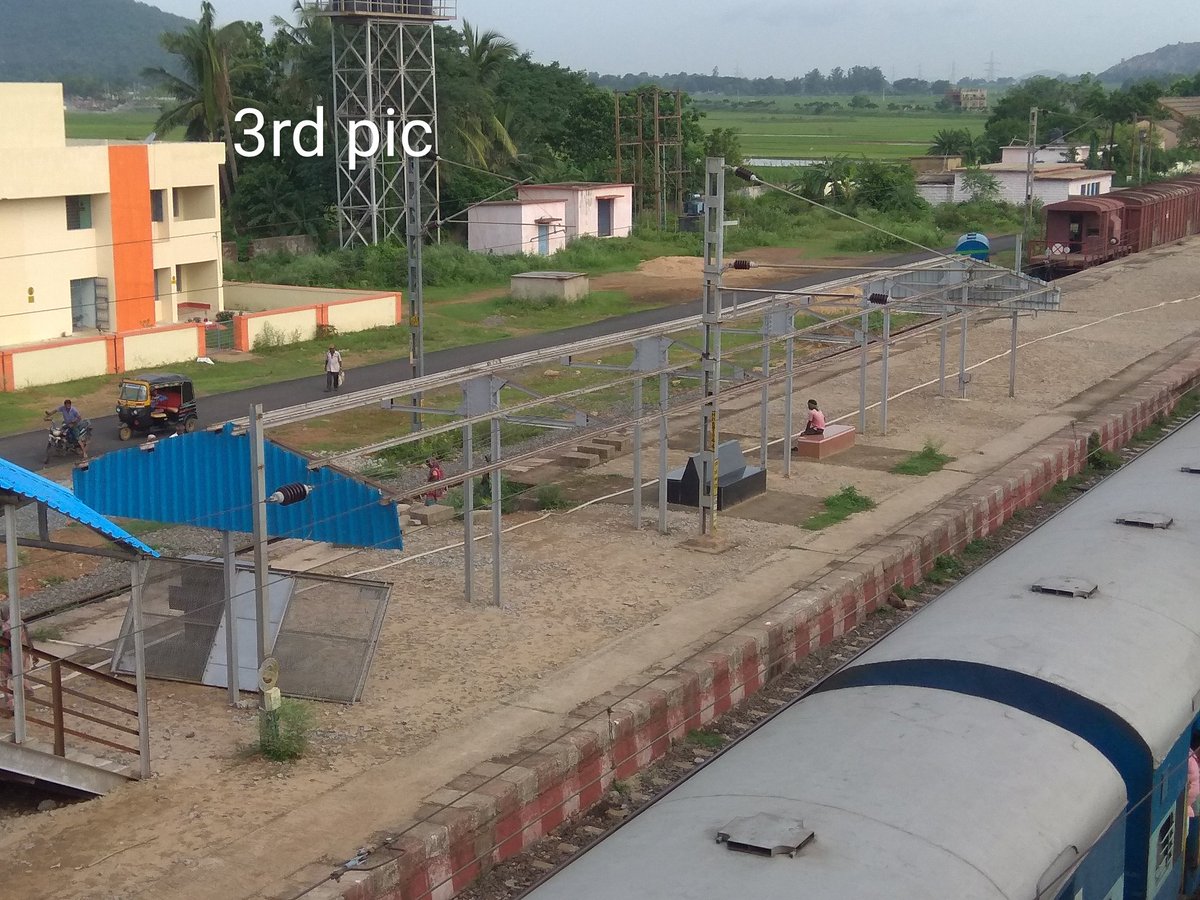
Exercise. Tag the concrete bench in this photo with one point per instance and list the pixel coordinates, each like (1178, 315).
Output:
(821, 446)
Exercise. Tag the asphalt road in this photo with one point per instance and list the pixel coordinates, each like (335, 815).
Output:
(28, 449)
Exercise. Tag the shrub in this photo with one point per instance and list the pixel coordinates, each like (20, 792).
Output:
(550, 496)
(283, 734)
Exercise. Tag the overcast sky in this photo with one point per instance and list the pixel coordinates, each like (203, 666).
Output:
(785, 38)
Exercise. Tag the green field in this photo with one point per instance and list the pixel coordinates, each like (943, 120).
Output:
(781, 131)
(124, 125)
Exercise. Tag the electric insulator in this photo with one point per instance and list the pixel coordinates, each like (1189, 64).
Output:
(742, 264)
(745, 174)
(290, 493)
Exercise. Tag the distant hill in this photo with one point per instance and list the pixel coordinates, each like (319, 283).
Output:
(81, 40)
(1177, 59)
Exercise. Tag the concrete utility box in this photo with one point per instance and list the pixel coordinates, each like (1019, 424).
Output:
(565, 287)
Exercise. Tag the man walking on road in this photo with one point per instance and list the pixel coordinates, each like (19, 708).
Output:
(333, 370)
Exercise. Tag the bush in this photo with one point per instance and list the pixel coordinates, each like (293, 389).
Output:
(283, 733)
(550, 496)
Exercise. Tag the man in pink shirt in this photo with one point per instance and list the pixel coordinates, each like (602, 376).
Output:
(816, 419)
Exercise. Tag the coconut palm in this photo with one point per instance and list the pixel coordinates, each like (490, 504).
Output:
(487, 51)
(951, 142)
(209, 58)
(483, 127)
(306, 73)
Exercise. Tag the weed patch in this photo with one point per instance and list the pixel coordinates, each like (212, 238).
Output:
(550, 496)
(710, 740)
(841, 505)
(46, 633)
(927, 460)
(946, 568)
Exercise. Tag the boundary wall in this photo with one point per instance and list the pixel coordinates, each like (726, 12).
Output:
(52, 362)
(338, 311)
(505, 805)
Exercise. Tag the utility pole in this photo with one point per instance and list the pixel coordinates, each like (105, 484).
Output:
(1030, 160)
(714, 248)
(258, 518)
(414, 232)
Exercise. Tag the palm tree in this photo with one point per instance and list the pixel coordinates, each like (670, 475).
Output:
(209, 57)
(306, 74)
(487, 51)
(951, 142)
(484, 126)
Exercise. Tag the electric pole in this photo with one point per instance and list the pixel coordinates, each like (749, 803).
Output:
(1030, 161)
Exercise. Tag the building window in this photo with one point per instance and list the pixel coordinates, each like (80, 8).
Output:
(193, 203)
(156, 205)
(79, 213)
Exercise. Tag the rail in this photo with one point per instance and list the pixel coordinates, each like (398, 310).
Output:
(90, 709)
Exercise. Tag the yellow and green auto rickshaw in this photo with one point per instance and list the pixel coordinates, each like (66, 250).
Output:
(156, 401)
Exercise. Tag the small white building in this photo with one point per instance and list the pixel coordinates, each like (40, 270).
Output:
(1052, 182)
(536, 227)
(594, 209)
(546, 217)
(1018, 154)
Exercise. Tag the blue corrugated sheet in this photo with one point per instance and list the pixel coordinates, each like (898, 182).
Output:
(203, 479)
(34, 487)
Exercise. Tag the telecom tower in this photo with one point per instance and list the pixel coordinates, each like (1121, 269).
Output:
(383, 73)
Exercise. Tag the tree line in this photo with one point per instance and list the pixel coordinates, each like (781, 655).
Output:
(855, 80)
(503, 117)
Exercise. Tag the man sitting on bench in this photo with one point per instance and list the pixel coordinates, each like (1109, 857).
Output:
(816, 420)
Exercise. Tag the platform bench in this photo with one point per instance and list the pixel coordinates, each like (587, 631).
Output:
(821, 446)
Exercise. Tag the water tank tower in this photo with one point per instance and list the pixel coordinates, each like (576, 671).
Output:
(384, 73)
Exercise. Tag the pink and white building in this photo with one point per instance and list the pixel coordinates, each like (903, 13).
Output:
(546, 217)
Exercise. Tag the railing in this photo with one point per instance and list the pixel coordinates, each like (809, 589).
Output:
(96, 710)
(411, 9)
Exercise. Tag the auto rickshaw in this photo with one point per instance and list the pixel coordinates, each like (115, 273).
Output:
(156, 401)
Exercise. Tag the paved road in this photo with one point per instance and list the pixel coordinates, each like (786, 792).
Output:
(28, 449)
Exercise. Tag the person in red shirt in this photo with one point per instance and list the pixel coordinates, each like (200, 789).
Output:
(816, 419)
(436, 474)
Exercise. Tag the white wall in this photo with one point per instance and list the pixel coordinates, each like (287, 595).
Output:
(581, 210)
(511, 227)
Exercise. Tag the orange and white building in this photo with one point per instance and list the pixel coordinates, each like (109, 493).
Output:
(101, 237)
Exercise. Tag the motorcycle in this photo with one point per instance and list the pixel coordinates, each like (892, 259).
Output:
(60, 439)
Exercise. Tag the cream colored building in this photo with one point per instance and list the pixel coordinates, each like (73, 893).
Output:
(101, 236)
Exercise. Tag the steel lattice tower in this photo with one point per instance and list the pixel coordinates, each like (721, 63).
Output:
(384, 72)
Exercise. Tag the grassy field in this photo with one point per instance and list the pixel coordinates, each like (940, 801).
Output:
(877, 134)
(124, 125)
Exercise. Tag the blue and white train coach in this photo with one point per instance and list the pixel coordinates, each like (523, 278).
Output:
(1024, 736)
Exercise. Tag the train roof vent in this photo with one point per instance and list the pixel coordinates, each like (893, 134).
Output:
(1063, 586)
(765, 835)
(1146, 520)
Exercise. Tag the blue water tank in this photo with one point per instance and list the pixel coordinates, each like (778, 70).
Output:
(974, 245)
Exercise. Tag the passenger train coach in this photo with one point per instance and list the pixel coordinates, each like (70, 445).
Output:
(1024, 736)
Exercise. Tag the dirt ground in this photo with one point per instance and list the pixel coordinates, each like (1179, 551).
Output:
(451, 681)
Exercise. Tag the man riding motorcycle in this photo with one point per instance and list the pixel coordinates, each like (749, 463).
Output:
(73, 423)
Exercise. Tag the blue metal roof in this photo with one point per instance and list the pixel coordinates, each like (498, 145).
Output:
(31, 486)
(203, 479)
